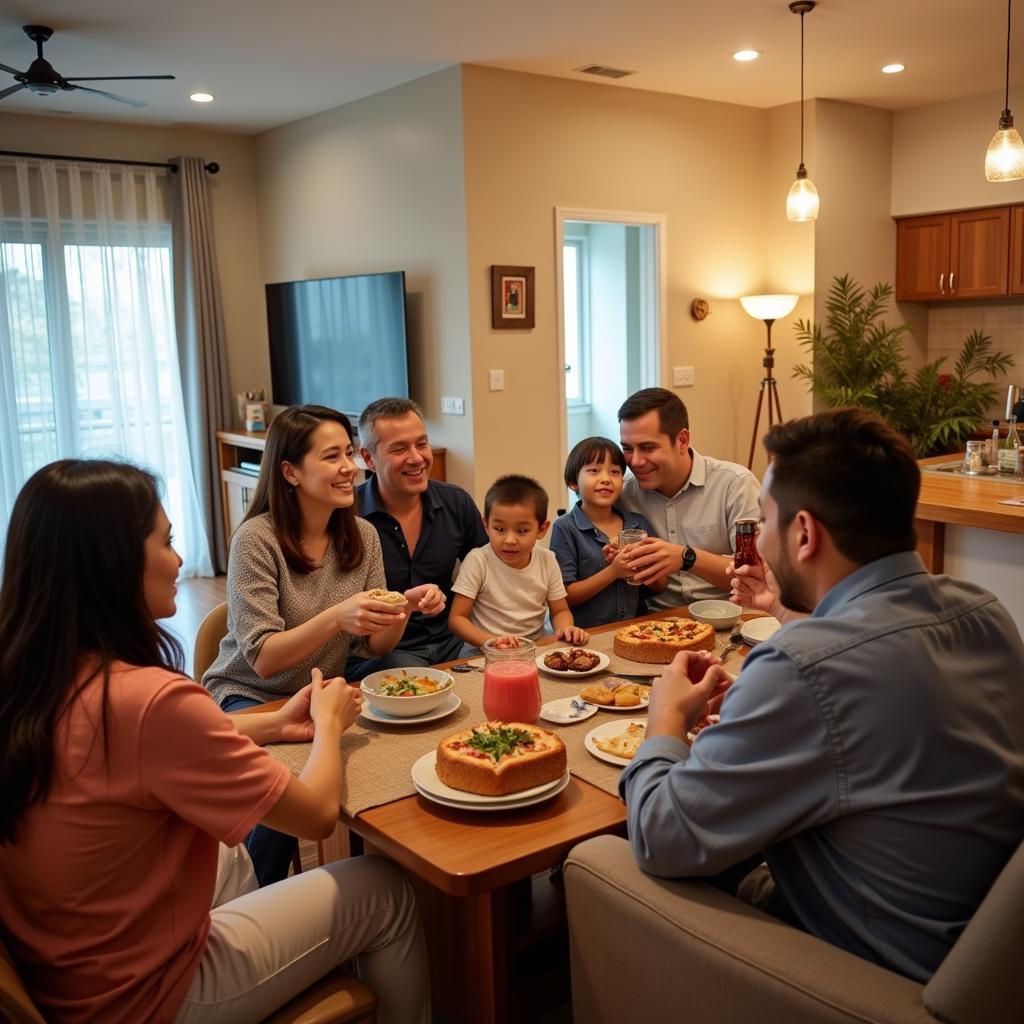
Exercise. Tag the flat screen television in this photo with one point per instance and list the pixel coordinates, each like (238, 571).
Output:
(338, 341)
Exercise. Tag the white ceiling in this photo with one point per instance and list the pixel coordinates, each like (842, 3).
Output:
(273, 61)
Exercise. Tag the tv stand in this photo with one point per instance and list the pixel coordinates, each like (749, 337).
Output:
(237, 485)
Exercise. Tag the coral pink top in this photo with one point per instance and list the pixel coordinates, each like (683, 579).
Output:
(106, 893)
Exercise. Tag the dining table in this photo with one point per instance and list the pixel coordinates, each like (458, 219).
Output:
(475, 874)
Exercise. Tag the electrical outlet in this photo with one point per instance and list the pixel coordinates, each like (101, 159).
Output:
(682, 376)
(497, 380)
(453, 406)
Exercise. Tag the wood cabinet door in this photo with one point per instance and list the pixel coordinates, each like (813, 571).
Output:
(1017, 250)
(979, 255)
(922, 258)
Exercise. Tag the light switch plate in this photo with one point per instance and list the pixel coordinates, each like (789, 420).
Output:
(497, 380)
(682, 376)
(453, 406)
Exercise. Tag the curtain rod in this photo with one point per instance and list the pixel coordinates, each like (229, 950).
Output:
(211, 167)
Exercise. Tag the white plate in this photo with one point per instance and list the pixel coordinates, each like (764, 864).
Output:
(424, 777)
(509, 805)
(756, 631)
(603, 732)
(559, 711)
(602, 663)
(453, 703)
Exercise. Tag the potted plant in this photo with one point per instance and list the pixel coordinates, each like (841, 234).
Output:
(859, 360)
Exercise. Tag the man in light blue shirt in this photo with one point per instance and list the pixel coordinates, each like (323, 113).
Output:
(873, 752)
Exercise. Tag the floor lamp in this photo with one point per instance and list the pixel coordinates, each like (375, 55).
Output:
(767, 308)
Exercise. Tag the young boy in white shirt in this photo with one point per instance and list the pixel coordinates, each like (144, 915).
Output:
(507, 587)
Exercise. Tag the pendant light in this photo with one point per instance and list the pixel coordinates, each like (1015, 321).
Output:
(1004, 160)
(802, 201)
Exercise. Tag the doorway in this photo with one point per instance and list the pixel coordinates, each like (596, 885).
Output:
(611, 316)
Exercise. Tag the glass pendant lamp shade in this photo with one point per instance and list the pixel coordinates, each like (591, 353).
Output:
(1004, 160)
(768, 307)
(802, 202)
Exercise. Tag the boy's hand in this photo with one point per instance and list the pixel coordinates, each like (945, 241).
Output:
(507, 643)
(427, 598)
(618, 562)
(573, 635)
(610, 552)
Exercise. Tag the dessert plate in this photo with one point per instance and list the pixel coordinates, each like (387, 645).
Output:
(561, 711)
(424, 777)
(371, 714)
(604, 732)
(602, 663)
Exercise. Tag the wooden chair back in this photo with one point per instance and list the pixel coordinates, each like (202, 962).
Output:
(212, 630)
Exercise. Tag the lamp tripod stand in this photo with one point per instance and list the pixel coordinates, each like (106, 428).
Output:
(768, 385)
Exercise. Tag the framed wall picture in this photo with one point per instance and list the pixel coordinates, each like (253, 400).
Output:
(512, 297)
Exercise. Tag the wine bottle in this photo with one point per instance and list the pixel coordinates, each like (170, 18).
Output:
(1008, 450)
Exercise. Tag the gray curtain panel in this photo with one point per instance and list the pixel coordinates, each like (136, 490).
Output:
(202, 348)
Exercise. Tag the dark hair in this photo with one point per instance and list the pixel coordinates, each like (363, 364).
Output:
(591, 449)
(72, 598)
(289, 440)
(672, 414)
(383, 409)
(854, 474)
(515, 489)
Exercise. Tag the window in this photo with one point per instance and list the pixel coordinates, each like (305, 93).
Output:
(577, 321)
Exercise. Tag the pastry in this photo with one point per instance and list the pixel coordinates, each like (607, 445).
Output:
(626, 743)
(387, 596)
(628, 695)
(498, 758)
(658, 641)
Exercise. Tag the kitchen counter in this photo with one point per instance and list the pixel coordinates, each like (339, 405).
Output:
(962, 530)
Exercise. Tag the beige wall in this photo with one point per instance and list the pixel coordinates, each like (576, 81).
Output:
(939, 156)
(233, 196)
(378, 185)
(533, 144)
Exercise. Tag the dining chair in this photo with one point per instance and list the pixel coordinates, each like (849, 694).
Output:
(211, 631)
(337, 998)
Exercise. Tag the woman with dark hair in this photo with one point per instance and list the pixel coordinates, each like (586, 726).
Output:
(300, 569)
(122, 778)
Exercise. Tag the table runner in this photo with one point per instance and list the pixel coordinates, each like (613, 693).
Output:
(378, 758)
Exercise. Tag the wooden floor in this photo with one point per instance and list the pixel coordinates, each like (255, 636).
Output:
(195, 598)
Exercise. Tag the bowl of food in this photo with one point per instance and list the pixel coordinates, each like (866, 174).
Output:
(720, 614)
(407, 692)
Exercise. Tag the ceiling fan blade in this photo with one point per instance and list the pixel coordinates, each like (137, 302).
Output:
(109, 95)
(13, 88)
(10, 70)
(122, 78)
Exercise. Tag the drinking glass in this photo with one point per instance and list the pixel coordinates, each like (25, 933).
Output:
(511, 683)
(627, 538)
(974, 458)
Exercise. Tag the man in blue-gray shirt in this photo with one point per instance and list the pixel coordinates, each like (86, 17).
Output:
(425, 527)
(872, 752)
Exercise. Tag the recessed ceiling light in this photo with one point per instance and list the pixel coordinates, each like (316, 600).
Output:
(201, 97)
(745, 55)
(893, 69)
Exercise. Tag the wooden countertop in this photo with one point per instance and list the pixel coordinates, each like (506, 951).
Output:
(967, 501)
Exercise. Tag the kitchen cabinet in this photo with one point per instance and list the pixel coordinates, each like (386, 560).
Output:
(963, 255)
(1017, 251)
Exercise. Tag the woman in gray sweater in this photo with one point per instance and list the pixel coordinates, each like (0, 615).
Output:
(300, 567)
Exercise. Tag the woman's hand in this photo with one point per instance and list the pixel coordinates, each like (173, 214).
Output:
(361, 615)
(295, 725)
(332, 702)
(573, 635)
(428, 598)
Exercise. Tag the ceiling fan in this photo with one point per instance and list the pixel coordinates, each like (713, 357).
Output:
(43, 80)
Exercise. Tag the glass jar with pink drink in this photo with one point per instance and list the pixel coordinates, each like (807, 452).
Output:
(511, 683)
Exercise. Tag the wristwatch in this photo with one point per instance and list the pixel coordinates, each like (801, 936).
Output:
(689, 557)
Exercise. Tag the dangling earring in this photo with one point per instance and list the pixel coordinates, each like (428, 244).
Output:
(290, 489)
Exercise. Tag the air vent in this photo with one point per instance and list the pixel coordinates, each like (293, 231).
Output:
(604, 72)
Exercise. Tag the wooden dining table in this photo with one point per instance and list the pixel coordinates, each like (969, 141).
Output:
(471, 871)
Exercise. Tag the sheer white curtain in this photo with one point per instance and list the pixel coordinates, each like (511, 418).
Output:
(88, 360)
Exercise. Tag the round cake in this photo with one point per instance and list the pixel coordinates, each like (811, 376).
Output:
(499, 758)
(658, 641)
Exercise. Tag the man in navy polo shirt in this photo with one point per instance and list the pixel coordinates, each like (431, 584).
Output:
(425, 527)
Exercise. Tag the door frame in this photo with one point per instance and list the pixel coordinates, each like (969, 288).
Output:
(653, 314)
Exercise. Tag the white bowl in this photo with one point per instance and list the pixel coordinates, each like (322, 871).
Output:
(720, 614)
(406, 707)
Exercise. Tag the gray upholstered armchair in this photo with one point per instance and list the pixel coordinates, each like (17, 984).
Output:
(653, 951)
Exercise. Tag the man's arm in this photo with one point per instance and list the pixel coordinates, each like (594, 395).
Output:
(764, 772)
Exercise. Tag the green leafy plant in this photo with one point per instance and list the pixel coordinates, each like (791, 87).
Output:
(858, 360)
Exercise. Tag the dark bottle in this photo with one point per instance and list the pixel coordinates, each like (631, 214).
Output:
(746, 543)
